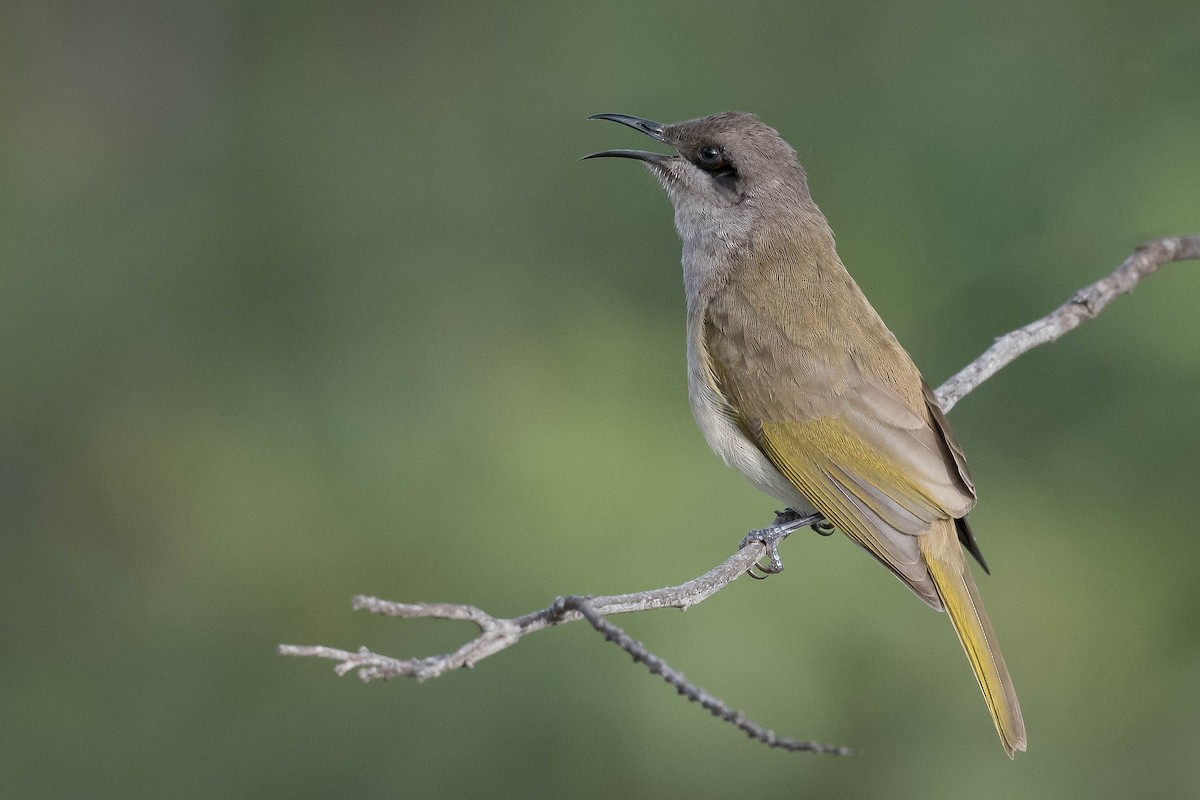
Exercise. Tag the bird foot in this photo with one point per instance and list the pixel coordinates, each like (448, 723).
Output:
(786, 523)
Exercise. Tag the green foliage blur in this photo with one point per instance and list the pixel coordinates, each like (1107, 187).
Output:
(300, 301)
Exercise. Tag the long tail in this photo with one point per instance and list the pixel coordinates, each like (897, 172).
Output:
(957, 589)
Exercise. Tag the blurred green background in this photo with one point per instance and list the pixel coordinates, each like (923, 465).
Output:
(301, 301)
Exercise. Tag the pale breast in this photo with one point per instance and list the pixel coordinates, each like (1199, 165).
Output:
(720, 426)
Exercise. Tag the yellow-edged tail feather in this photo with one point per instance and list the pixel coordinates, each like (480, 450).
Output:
(959, 594)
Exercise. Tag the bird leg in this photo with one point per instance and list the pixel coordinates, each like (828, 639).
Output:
(786, 523)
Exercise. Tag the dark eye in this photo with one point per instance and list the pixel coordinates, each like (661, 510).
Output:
(709, 155)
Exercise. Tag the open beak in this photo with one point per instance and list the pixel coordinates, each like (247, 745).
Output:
(652, 129)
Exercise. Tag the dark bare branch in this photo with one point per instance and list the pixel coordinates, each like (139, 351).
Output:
(691, 691)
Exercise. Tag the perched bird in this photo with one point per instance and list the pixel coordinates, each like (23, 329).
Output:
(795, 380)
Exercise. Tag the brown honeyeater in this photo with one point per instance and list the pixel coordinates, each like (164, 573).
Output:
(796, 381)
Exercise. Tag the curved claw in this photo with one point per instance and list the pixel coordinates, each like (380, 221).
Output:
(774, 564)
(752, 574)
(774, 561)
(786, 522)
